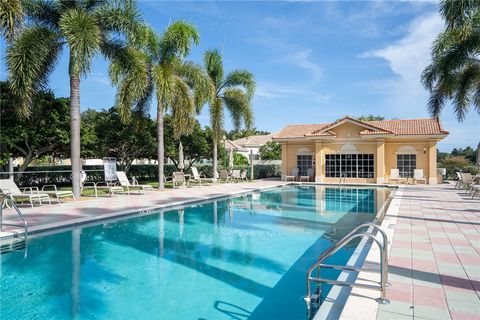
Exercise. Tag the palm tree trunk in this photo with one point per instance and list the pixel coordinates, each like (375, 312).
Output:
(160, 150)
(215, 159)
(75, 133)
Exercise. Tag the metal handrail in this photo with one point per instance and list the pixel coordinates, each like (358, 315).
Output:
(3, 199)
(354, 234)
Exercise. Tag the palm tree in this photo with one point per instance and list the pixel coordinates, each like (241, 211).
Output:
(233, 91)
(157, 66)
(454, 73)
(84, 27)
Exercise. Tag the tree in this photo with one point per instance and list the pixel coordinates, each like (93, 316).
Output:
(196, 146)
(85, 27)
(158, 65)
(136, 140)
(233, 91)
(454, 73)
(44, 133)
(271, 151)
(238, 134)
(370, 117)
(455, 163)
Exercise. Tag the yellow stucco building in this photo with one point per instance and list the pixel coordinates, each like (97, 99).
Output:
(362, 152)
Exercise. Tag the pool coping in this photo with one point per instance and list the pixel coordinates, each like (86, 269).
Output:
(337, 304)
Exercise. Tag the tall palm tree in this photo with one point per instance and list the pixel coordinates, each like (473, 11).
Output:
(84, 27)
(234, 92)
(157, 66)
(454, 73)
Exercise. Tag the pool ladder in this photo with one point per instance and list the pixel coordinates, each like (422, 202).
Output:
(313, 299)
(13, 244)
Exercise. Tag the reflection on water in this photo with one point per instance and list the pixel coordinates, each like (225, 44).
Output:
(238, 258)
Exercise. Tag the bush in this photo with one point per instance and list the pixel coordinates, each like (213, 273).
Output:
(60, 175)
(456, 163)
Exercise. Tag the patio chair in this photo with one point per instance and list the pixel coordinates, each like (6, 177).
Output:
(395, 176)
(459, 180)
(293, 175)
(223, 175)
(125, 183)
(243, 175)
(32, 194)
(111, 189)
(199, 178)
(52, 190)
(418, 176)
(309, 176)
(475, 187)
(235, 175)
(178, 178)
(466, 180)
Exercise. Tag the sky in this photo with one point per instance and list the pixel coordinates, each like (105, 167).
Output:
(313, 62)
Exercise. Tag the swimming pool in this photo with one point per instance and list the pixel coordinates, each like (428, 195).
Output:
(235, 258)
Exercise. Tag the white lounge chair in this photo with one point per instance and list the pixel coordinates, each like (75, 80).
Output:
(32, 194)
(309, 176)
(125, 183)
(199, 178)
(418, 176)
(178, 178)
(103, 185)
(236, 175)
(293, 175)
(395, 176)
(223, 175)
(243, 175)
(52, 190)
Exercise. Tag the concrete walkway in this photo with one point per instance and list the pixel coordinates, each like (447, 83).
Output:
(93, 209)
(434, 261)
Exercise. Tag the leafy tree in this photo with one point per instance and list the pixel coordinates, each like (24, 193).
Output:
(233, 91)
(271, 151)
(45, 132)
(454, 73)
(157, 65)
(84, 27)
(126, 142)
(370, 117)
(455, 163)
(240, 160)
(196, 146)
(238, 134)
(468, 153)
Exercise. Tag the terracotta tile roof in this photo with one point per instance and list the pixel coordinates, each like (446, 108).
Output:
(298, 130)
(253, 141)
(410, 127)
(384, 127)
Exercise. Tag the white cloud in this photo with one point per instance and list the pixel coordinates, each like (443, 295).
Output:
(100, 78)
(407, 58)
(277, 91)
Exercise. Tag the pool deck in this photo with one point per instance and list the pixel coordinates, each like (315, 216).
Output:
(91, 210)
(434, 261)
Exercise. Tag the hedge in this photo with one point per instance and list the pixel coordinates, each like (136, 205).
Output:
(60, 175)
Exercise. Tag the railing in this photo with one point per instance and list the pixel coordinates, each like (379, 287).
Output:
(342, 178)
(4, 201)
(313, 300)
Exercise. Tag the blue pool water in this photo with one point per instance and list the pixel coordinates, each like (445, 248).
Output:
(238, 258)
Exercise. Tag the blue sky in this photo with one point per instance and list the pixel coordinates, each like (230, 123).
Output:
(314, 62)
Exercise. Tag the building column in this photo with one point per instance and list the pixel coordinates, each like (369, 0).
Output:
(432, 163)
(319, 162)
(284, 160)
(380, 162)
